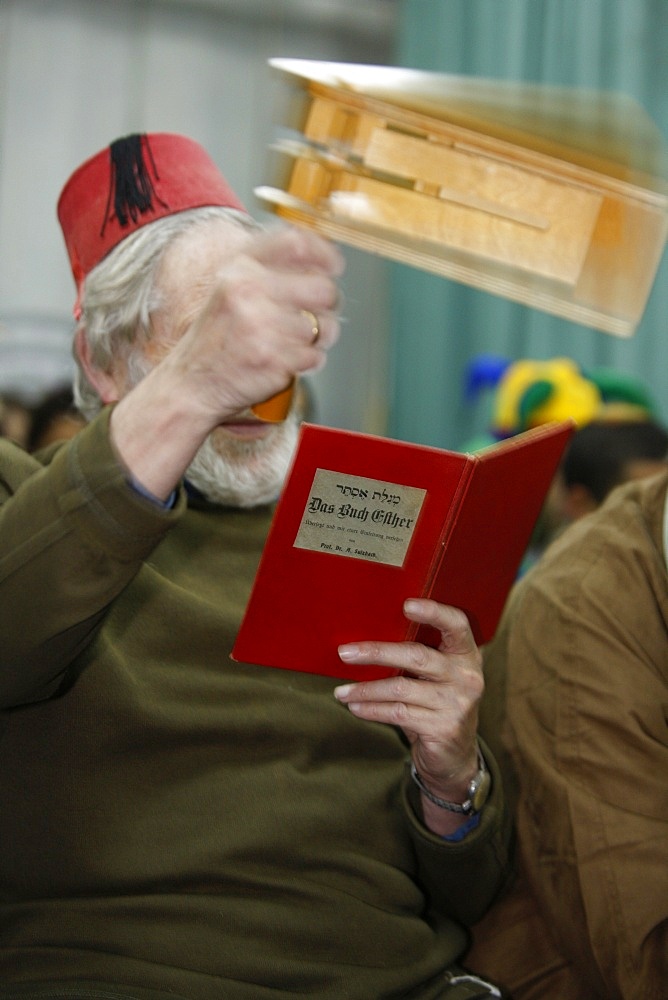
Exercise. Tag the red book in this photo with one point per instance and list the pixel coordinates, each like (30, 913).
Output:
(364, 522)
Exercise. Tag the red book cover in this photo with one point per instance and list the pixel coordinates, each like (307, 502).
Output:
(364, 522)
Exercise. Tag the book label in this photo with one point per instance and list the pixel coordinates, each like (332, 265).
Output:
(359, 518)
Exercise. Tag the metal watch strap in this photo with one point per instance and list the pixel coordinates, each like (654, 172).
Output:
(478, 790)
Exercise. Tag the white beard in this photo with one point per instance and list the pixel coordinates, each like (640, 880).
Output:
(236, 473)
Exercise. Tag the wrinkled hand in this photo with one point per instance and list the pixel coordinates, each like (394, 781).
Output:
(255, 331)
(233, 328)
(435, 702)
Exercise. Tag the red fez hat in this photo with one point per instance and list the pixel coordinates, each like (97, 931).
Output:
(135, 181)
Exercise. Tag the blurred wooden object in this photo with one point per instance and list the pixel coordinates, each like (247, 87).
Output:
(552, 197)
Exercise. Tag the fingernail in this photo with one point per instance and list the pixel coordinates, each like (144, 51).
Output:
(348, 652)
(342, 691)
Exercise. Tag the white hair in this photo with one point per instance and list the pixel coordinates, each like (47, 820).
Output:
(245, 473)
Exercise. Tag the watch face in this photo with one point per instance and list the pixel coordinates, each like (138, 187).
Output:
(479, 790)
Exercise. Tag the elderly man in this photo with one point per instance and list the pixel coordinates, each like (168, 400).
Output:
(174, 824)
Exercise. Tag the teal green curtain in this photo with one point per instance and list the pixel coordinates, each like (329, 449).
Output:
(439, 325)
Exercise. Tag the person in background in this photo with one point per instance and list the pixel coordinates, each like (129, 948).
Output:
(54, 418)
(575, 711)
(603, 454)
(175, 824)
(14, 418)
(627, 440)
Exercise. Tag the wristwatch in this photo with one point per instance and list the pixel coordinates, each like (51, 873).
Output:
(478, 790)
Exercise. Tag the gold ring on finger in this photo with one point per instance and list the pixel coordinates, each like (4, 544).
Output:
(315, 325)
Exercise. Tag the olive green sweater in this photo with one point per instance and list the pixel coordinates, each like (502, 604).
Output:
(176, 824)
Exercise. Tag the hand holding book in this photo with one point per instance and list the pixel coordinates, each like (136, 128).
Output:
(435, 703)
(364, 523)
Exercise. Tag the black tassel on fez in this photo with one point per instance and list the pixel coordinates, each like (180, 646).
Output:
(130, 184)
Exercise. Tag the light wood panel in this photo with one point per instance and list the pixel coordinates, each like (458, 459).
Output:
(552, 218)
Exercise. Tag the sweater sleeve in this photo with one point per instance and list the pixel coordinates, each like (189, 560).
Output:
(462, 878)
(73, 533)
